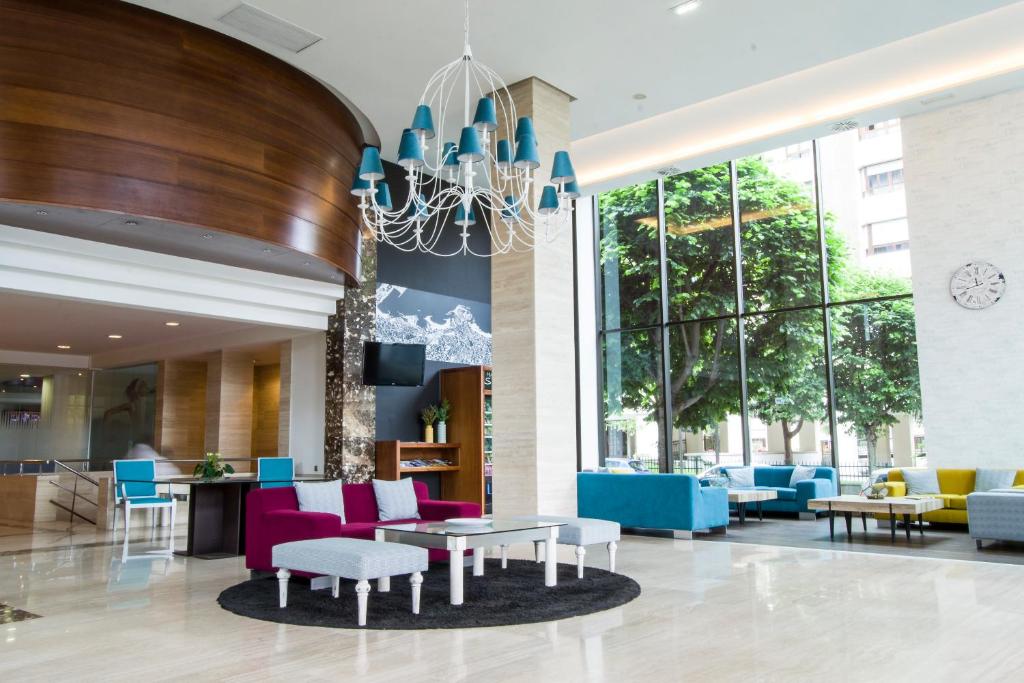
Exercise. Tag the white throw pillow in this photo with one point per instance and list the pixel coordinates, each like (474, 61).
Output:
(741, 477)
(801, 473)
(320, 496)
(396, 500)
(988, 479)
(921, 482)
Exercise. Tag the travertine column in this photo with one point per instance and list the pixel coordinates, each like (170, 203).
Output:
(534, 341)
(350, 422)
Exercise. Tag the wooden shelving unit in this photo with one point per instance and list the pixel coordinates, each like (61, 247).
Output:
(391, 454)
(468, 391)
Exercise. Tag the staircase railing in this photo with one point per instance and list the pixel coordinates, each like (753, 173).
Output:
(75, 495)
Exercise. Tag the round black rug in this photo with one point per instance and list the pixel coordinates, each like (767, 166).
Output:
(516, 595)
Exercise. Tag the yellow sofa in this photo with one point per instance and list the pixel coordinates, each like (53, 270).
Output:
(954, 485)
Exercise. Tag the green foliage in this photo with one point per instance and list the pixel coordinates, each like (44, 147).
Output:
(443, 410)
(429, 415)
(212, 467)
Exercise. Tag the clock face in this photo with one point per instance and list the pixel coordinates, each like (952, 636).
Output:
(977, 285)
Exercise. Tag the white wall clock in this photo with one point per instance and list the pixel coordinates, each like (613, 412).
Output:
(977, 285)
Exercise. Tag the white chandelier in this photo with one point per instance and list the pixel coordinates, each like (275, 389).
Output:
(487, 178)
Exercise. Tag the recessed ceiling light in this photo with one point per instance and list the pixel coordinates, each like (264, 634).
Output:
(63, 347)
(131, 222)
(266, 250)
(24, 376)
(305, 263)
(207, 236)
(640, 96)
(113, 336)
(79, 374)
(685, 7)
(171, 323)
(40, 212)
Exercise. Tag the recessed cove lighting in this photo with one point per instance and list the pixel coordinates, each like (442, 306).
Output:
(172, 323)
(64, 347)
(24, 376)
(685, 7)
(113, 336)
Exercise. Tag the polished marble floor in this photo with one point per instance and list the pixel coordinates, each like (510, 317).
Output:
(709, 611)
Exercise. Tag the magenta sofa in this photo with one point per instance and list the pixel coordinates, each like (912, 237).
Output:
(272, 516)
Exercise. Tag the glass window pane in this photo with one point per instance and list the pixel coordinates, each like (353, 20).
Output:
(705, 386)
(633, 405)
(878, 392)
(630, 256)
(786, 388)
(699, 242)
(779, 231)
(868, 234)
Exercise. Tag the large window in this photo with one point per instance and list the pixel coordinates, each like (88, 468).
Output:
(782, 332)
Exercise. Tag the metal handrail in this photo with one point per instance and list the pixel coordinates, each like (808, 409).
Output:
(74, 514)
(74, 493)
(75, 472)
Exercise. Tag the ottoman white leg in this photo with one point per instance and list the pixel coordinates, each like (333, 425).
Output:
(455, 576)
(580, 552)
(282, 587)
(335, 586)
(504, 557)
(612, 547)
(551, 560)
(362, 593)
(384, 584)
(478, 562)
(538, 551)
(416, 580)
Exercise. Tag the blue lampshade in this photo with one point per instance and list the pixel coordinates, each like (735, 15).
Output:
(449, 154)
(418, 208)
(361, 188)
(548, 201)
(370, 168)
(469, 145)
(410, 151)
(525, 127)
(570, 191)
(561, 169)
(486, 118)
(511, 209)
(423, 122)
(526, 152)
(384, 196)
(504, 157)
(461, 219)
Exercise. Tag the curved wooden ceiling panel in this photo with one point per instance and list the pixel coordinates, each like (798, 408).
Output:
(108, 106)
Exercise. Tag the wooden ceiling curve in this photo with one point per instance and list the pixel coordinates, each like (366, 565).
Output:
(112, 107)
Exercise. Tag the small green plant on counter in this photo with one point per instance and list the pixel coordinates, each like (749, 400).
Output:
(429, 415)
(443, 411)
(212, 467)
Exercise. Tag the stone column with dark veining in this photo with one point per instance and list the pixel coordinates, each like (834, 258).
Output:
(350, 416)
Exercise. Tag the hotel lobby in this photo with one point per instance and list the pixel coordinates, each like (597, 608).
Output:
(452, 339)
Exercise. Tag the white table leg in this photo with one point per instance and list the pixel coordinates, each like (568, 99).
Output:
(335, 586)
(538, 551)
(282, 587)
(416, 580)
(551, 560)
(384, 584)
(170, 532)
(362, 594)
(612, 547)
(580, 553)
(455, 576)
(478, 561)
(504, 557)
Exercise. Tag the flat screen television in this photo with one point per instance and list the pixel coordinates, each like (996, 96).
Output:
(393, 365)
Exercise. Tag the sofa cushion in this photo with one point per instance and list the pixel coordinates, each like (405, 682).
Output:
(802, 473)
(395, 500)
(783, 492)
(987, 479)
(321, 496)
(953, 501)
(921, 481)
(741, 477)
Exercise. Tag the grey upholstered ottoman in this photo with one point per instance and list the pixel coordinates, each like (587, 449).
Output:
(351, 558)
(996, 515)
(579, 532)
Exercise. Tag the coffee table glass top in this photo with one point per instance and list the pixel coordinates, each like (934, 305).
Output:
(444, 529)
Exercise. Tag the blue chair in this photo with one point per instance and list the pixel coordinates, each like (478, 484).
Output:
(276, 472)
(135, 488)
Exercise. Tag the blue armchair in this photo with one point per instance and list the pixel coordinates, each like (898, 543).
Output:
(652, 501)
(793, 499)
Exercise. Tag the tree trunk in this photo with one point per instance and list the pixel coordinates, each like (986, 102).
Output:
(787, 438)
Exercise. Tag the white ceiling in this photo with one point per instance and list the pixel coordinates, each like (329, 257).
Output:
(380, 54)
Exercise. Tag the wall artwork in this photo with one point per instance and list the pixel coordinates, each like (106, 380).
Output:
(454, 330)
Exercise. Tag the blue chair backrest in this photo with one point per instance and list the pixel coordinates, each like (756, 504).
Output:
(277, 472)
(137, 477)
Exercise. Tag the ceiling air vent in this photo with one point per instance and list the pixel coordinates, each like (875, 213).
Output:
(269, 28)
(843, 126)
(671, 170)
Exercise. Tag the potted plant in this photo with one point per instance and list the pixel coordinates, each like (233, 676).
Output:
(443, 411)
(212, 467)
(429, 416)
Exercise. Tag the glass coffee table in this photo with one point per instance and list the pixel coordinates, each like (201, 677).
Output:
(458, 538)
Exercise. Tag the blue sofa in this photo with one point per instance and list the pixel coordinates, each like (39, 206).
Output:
(652, 501)
(776, 477)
